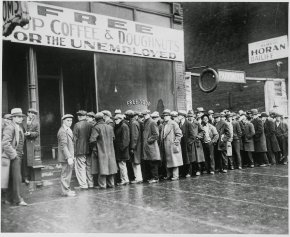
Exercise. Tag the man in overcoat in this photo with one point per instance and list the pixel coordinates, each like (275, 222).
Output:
(12, 153)
(248, 143)
(210, 137)
(236, 144)
(186, 142)
(103, 153)
(151, 152)
(91, 118)
(31, 127)
(121, 145)
(224, 136)
(135, 147)
(241, 120)
(170, 146)
(190, 116)
(82, 132)
(66, 154)
(108, 117)
(281, 129)
(271, 140)
(259, 139)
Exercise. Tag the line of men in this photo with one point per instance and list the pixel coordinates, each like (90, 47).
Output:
(170, 146)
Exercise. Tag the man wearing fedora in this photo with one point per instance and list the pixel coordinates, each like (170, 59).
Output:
(66, 154)
(271, 139)
(281, 129)
(31, 126)
(199, 112)
(12, 151)
(82, 132)
(190, 116)
(259, 140)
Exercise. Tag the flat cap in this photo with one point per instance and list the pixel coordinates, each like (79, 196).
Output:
(118, 116)
(108, 113)
(118, 111)
(82, 113)
(222, 114)
(174, 114)
(229, 114)
(66, 116)
(7, 116)
(34, 111)
(210, 112)
(182, 113)
(91, 114)
(129, 112)
(264, 114)
(166, 112)
(155, 114)
(216, 115)
(99, 115)
(145, 112)
(200, 109)
(278, 115)
(254, 111)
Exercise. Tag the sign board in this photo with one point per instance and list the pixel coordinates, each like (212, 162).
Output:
(66, 28)
(269, 49)
(188, 91)
(232, 76)
(14, 13)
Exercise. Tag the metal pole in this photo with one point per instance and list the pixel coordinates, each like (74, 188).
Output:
(96, 82)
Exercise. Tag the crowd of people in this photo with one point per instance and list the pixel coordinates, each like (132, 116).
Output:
(136, 147)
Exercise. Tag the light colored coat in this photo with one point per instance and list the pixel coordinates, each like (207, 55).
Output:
(65, 144)
(170, 142)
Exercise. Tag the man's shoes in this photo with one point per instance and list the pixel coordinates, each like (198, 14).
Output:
(152, 181)
(110, 186)
(263, 165)
(174, 179)
(21, 203)
(136, 182)
(211, 172)
(252, 166)
(187, 176)
(69, 194)
(81, 188)
(165, 178)
(100, 188)
(27, 181)
(239, 168)
(224, 171)
(122, 183)
(285, 163)
(231, 168)
(197, 173)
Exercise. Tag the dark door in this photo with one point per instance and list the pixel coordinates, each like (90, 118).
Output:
(49, 108)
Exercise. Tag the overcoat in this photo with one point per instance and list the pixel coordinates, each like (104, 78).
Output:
(122, 141)
(135, 141)
(249, 132)
(281, 130)
(224, 135)
(229, 142)
(259, 137)
(186, 141)
(103, 153)
(196, 150)
(242, 126)
(150, 140)
(170, 142)
(271, 139)
(32, 143)
(111, 123)
(65, 144)
(82, 132)
(10, 140)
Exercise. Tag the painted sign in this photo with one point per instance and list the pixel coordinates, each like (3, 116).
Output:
(66, 28)
(269, 49)
(138, 102)
(232, 76)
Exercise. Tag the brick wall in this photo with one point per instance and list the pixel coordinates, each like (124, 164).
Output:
(217, 34)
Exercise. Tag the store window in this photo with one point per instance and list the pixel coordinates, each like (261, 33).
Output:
(153, 19)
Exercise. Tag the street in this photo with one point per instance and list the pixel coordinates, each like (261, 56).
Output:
(248, 201)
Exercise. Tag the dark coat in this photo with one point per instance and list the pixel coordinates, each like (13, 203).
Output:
(242, 126)
(122, 141)
(150, 140)
(103, 153)
(237, 132)
(32, 143)
(135, 141)
(249, 131)
(82, 132)
(196, 150)
(223, 130)
(281, 130)
(186, 141)
(170, 144)
(65, 145)
(110, 122)
(259, 137)
(271, 139)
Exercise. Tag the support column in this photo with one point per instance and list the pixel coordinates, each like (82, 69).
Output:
(34, 160)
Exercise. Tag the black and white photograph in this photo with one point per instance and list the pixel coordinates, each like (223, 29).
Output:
(141, 118)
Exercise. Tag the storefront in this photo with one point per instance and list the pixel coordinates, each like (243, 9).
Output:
(93, 56)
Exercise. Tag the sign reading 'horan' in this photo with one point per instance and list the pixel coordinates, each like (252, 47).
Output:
(66, 28)
(269, 49)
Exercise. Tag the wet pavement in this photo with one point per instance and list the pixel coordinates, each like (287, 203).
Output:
(249, 201)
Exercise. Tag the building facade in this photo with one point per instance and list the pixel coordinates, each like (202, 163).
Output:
(93, 56)
(218, 35)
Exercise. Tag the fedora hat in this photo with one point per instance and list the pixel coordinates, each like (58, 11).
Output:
(210, 112)
(200, 109)
(182, 113)
(82, 113)
(31, 110)
(166, 112)
(91, 114)
(190, 113)
(174, 114)
(129, 112)
(155, 114)
(145, 112)
(264, 114)
(118, 111)
(17, 112)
